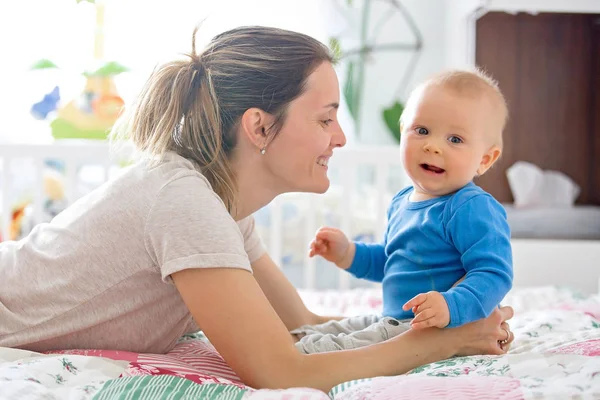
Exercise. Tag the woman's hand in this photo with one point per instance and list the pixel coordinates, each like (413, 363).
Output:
(491, 335)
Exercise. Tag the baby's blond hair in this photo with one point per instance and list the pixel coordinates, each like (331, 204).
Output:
(471, 82)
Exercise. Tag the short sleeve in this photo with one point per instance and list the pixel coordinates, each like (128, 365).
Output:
(252, 242)
(188, 226)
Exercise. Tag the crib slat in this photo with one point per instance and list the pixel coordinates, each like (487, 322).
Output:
(276, 244)
(6, 213)
(310, 227)
(70, 180)
(38, 190)
(107, 167)
(382, 174)
(348, 185)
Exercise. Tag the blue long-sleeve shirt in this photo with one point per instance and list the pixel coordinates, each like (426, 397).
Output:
(431, 244)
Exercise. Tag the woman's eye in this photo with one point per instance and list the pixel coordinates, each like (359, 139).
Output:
(422, 131)
(455, 139)
(327, 122)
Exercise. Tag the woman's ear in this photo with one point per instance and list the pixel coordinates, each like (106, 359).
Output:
(254, 124)
(488, 159)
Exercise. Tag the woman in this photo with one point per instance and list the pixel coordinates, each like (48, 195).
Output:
(170, 246)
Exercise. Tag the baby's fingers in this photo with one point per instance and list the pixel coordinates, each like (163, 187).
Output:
(315, 247)
(330, 235)
(423, 324)
(427, 319)
(428, 323)
(423, 316)
(318, 247)
(415, 301)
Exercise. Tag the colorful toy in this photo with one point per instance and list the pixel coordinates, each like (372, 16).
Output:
(94, 111)
(49, 103)
(22, 220)
(54, 190)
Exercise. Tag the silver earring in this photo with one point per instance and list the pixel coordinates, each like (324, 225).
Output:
(263, 151)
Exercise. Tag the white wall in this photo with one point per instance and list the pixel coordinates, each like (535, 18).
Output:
(164, 31)
(448, 33)
(138, 33)
(384, 71)
(460, 17)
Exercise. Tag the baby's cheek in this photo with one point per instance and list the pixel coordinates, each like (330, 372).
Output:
(407, 154)
(466, 166)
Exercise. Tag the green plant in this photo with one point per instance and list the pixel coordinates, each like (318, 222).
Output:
(391, 116)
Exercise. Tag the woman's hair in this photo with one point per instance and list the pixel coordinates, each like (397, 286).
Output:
(194, 106)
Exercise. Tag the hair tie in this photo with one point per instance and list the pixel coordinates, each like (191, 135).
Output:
(197, 72)
(198, 64)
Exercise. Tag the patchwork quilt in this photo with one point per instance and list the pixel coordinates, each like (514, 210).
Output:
(556, 355)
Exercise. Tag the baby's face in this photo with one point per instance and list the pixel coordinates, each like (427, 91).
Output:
(446, 140)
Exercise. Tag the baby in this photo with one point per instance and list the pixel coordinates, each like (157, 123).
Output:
(446, 258)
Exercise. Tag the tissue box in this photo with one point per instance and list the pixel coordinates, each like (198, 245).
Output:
(531, 186)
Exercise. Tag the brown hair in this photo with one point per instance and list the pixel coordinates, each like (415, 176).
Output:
(193, 106)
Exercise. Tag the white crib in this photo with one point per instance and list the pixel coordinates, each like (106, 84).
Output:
(363, 182)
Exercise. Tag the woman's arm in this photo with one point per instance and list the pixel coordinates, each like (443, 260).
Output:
(282, 295)
(236, 316)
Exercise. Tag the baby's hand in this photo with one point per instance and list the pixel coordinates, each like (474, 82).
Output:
(334, 246)
(430, 309)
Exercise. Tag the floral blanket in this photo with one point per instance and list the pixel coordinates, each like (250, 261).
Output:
(556, 355)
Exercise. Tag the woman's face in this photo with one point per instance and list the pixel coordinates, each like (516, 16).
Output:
(298, 156)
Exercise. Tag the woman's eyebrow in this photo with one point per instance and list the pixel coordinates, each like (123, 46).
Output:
(332, 105)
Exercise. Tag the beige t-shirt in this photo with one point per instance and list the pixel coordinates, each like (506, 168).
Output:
(97, 276)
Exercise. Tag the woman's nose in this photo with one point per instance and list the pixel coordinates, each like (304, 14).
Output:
(338, 139)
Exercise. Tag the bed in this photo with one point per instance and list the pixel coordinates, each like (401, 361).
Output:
(557, 325)
(556, 355)
(580, 222)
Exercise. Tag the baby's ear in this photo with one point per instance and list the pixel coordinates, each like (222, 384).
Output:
(488, 159)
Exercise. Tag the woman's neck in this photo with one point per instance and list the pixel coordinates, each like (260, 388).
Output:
(254, 190)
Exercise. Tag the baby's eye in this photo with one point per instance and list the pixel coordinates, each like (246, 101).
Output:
(422, 131)
(455, 140)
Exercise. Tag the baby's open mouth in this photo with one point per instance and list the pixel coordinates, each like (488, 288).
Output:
(432, 168)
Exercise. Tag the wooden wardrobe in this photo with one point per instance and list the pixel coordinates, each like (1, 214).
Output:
(548, 67)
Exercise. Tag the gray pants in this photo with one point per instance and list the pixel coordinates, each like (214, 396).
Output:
(349, 333)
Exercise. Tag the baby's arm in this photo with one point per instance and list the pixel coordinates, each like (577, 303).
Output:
(369, 261)
(479, 230)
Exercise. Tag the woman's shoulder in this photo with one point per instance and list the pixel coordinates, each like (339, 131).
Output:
(171, 167)
(135, 188)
